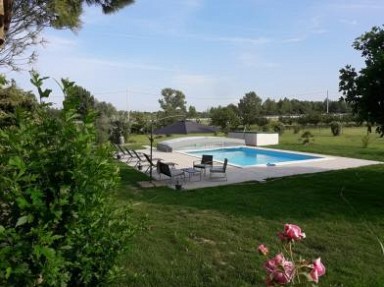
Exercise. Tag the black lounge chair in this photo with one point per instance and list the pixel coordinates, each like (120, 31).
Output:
(151, 164)
(222, 169)
(140, 160)
(120, 153)
(129, 155)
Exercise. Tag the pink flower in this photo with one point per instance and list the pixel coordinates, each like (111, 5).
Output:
(291, 233)
(318, 269)
(272, 264)
(263, 249)
(279, 270)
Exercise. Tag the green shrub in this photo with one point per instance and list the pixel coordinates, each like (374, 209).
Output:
(336, 128)
(57, 224)
(266, 128)
(366, 140)
(306, 138)
(296, 129)
(279, 128)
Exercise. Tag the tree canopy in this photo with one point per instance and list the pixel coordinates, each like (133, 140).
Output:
(225, 117)
(13, 99)
(29, 18)
(364, 90)
(249, 108)
(172, 104)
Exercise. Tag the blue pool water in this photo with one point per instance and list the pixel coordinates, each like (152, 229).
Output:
(246, 156)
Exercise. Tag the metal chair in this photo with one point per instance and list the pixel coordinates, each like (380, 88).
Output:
(205, 162)
(220, 169)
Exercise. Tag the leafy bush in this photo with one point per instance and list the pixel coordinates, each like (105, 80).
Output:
(262, 121)
(57, 224)
(336, 128)
(296, 129)
(266, 128)
(306, 138)
(366, 140)
(279, 128)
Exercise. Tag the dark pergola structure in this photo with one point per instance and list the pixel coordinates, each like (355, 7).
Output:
(184, 127)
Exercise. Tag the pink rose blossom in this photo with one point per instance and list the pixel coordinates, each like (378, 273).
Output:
(272, 264)
(318, 269)
(263, 249)
(291, 233)
(279, 270)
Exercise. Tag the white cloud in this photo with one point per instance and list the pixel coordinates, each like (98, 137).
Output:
(241, 40)
(193, 80)
(294, 40)
(316, 25)
(103, 63)
(253, 60)
(358, 5)
(348, 22)
(194, 3)
(58, 43)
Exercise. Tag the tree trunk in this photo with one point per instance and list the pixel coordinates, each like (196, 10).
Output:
(5, 18)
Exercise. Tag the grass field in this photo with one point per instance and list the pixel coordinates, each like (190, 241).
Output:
(209, 237)
(349, 144)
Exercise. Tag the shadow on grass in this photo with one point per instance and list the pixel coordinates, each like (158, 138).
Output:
(351, 193)
(187, 240)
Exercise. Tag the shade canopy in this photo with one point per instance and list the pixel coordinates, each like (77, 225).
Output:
(184, 127)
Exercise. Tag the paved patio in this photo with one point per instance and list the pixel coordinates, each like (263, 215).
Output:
(260, 173)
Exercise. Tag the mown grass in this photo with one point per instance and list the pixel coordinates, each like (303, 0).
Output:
(208, 237)
(349, 143)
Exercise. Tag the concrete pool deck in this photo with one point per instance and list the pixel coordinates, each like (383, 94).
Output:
(259, 173)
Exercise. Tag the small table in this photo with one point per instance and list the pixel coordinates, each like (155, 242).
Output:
(202, 166)
(191, 172)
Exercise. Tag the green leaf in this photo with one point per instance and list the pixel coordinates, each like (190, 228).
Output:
(17, 162)
(8, 272)
(22, 220)
(2, 229)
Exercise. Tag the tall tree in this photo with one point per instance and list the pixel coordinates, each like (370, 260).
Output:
(285, 106)
(30, 17)
(269, 107)
(172, 104)
(80, 99)
(225, 117)
(364, 90)
(249, 108)
(5, 18)
(13, 99)
(192, 113)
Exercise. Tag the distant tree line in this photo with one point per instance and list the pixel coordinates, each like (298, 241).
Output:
(252, 111)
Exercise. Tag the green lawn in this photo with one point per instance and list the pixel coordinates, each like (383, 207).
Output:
(348, 144)
(208, 237)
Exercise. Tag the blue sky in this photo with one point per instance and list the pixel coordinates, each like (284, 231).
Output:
(213, 51)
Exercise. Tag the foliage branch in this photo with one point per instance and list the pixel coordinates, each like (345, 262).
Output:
(58, 226)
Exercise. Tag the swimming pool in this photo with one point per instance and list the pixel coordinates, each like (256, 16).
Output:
(248, 156)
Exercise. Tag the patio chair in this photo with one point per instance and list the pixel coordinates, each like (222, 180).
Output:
(140, 160)
(129, 155)
(119, 151)
(222, 169)
(205, 162)
(172, 173)
(151, 164)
